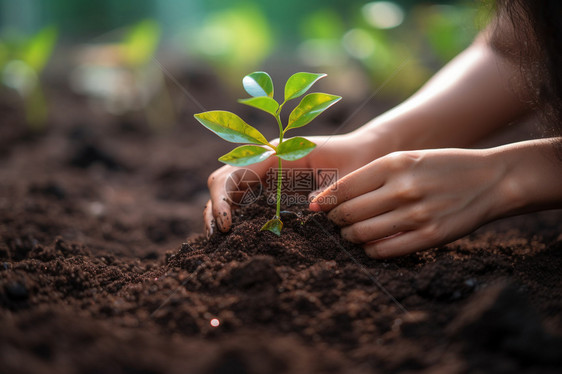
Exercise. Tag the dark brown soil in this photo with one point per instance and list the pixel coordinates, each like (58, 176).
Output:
(96, 275)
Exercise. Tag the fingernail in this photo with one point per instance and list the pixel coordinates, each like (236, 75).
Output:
(315, 207)
(312, 195)
(209, 229)
(219, 223)
(371, 251)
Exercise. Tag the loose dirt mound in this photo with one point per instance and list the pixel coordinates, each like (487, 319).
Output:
(305, 302)
(94, 277)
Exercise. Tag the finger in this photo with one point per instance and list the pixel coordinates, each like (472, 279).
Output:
(376, 228)
(220, 205)
(364, 207)
(359, 182)
(226, 186)
(313, 194)
(209, 219)
(405, 243)
(221, 210)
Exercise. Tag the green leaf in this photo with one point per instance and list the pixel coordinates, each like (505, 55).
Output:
(3, 53)
(246, 155)
(309, 108)
(141, 41)
(265, 103)
(36, 109)
(274, 225)
(294, 148)
(258, 84)
(38, 51)
(230, 127)
(299, 83)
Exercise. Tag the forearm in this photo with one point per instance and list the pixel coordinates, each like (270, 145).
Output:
(475, 94)
(533, 176)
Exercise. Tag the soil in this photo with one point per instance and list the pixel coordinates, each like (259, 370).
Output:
(97, 276)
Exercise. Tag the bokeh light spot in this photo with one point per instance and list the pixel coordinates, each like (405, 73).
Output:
(383, 14)
(358, 43)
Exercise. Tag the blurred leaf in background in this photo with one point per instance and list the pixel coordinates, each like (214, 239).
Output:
(321, 31)
(323, 24)
(22, 60)
(3, 52)
(39, 48)
(388, 60)
(140, 43)
(234, 40)
(363, 45)
(125, 76)
(139, 49)
(401, 48)
(448, 28)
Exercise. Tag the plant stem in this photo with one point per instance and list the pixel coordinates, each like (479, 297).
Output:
(279, 168)
(278, 118)
(279, 179)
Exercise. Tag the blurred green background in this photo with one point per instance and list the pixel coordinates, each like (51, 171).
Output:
(104, 46)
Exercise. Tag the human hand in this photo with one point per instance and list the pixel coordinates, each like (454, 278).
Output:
(413, 200)
(338, 151)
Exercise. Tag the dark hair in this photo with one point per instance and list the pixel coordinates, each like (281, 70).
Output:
(536, 41)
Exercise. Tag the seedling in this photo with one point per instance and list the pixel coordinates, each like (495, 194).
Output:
(22, 60)
(232, 128)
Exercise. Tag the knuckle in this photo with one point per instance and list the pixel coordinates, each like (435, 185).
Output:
(408, 191)
(341, 190)
(354, 233)
(340, 186)
(401, 160)
(340, 215)
(396, 160)
(419, 215)
(433, 234)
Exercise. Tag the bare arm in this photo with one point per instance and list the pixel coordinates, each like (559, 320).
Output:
(472, 96)
(475, 94)
(417, 196)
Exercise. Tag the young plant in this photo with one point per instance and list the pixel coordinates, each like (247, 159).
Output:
(232, 128)
(22, 60)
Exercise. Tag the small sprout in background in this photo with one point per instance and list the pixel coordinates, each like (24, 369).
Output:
(448, 28)
(232, 128)
(140, 43)
(21, 63)
(123, 78)
(233, 39)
